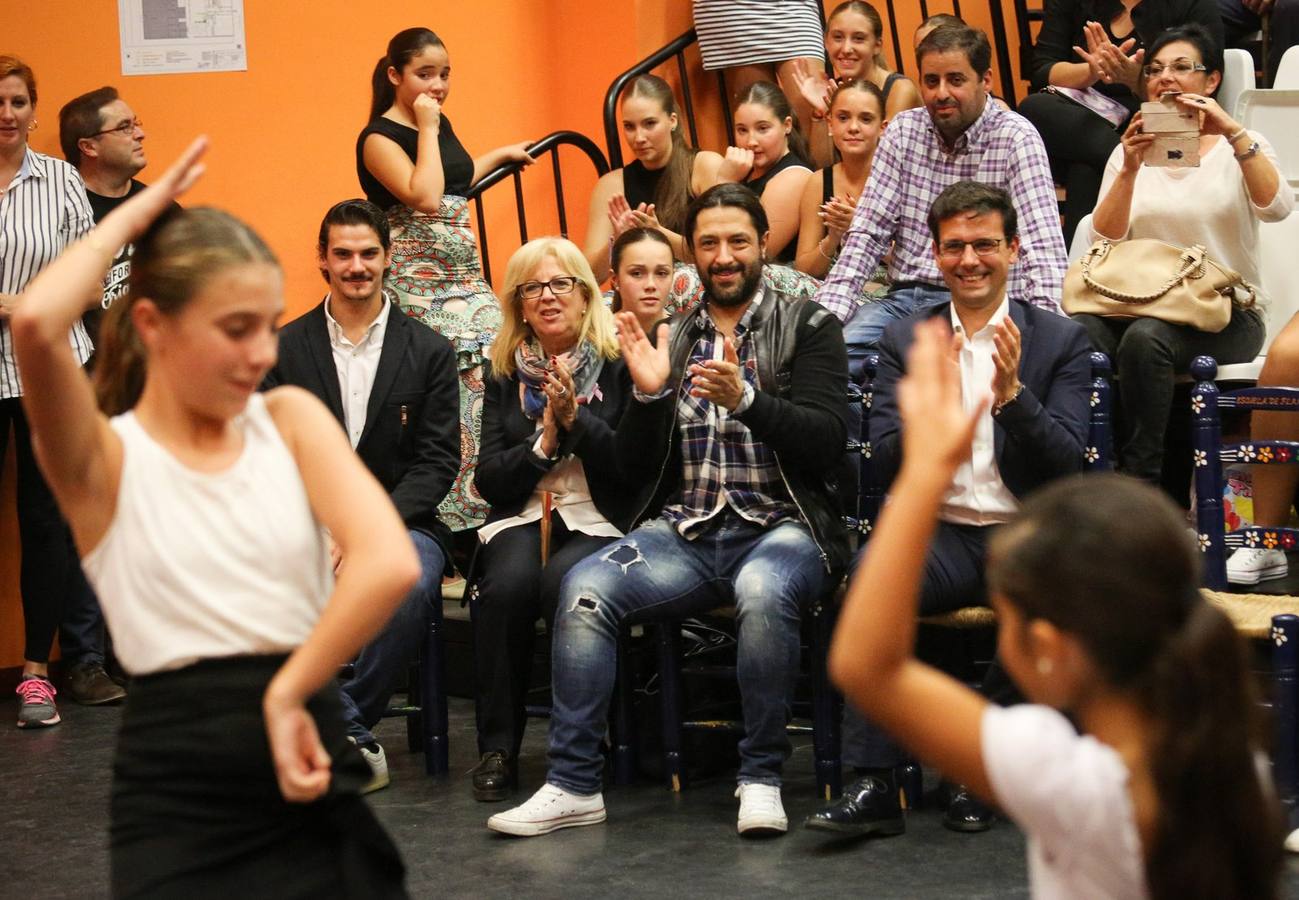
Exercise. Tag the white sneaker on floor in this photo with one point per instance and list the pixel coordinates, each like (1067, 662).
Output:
(1250, 565)
(1292, 841)
(760, 809)
(549, 809)
(378, 763)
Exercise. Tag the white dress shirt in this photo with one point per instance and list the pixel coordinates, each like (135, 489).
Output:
(977, 495)
(356, 364)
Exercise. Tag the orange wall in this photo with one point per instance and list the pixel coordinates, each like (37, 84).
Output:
(283, 133)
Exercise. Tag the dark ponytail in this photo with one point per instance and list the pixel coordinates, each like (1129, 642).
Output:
(170, 264)
(403, 46)
(1154, 639)
(769, 95)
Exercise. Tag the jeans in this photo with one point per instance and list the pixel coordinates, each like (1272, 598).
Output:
(862, 331)
(953, 578)
(1282, 30)
(512, 592)
(381, 663)
(81, 634)
(654, 573)
(1148, 355)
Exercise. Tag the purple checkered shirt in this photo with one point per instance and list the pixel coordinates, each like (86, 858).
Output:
(912, 168)
(722, 464)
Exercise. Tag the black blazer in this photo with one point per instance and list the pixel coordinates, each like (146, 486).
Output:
(508, 470)
(1038, 437)
(411, 440)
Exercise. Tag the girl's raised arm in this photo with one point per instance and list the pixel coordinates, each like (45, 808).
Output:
(76, 449)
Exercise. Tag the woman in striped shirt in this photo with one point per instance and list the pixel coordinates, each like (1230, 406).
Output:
(43, 209)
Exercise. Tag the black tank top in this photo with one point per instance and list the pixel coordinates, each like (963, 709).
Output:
(639, 184)
(758, 185)
(889, 80)
(457, 165)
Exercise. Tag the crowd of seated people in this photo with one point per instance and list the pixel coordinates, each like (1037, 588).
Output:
(640, 427)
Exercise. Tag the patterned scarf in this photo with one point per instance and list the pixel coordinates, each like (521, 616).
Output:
(584, 362)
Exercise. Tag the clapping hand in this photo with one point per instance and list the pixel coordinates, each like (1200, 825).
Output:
(837, 213)
(1109, 63)
(1005, 359)
(647, 363)
(719, 380)
(561, 397)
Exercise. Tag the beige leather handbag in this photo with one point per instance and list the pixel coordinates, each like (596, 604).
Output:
(1145, 277)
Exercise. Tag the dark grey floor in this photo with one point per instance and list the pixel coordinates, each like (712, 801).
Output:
(54, 786)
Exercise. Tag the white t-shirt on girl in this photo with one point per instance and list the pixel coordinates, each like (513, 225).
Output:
(1069, 794)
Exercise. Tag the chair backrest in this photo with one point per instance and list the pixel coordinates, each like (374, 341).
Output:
(1274, 114)
(1082, 239)
(1237, 76)
(1287, 74)
(1276, 249)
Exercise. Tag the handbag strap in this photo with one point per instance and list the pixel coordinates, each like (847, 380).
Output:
(1193, 265)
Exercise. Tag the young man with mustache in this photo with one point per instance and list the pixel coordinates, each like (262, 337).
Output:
(958, 135)
(393, 387)
(739, 413)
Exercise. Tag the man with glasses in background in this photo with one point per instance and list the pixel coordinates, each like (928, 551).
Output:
(957, 135)
(103, 139)
(1026, 373)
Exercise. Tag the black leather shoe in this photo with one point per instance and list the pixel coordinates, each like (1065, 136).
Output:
(967, 812)
(868, 806)
(494, 777)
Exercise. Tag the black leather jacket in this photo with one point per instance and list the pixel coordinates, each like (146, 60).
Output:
(800, 412)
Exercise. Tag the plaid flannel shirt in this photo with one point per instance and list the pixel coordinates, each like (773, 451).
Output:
(911, 168)
(722, 463)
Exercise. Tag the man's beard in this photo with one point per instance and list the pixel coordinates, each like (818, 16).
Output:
(742, 292)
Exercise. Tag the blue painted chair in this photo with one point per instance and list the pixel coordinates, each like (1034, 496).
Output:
(1261, 617)
(425, 709)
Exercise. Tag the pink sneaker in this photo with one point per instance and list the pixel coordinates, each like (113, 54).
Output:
(36, 707)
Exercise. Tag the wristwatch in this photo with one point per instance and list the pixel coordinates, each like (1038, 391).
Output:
(1249, 151)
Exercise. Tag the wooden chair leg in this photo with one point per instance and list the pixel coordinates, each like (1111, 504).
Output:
(623, 719)
(669, 647)
(825, 710)
(1285, 707)
(433, 695)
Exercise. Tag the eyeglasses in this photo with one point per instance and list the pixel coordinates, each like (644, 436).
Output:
(531, 290)
(982, 247)
(1179, 68)
(126, 128)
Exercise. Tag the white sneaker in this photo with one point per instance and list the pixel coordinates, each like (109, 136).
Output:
(1250, 565)
(378, 763)
(760, 809)
(549, 809)
(1292, 841)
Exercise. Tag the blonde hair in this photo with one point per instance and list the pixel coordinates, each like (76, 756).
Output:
(597, 322)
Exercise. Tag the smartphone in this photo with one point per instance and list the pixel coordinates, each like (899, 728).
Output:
(1176, 130)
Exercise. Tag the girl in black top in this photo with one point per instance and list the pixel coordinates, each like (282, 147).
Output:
(772, 159)
(411, 165)
(1113, 36)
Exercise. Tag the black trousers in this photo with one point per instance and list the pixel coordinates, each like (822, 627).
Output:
(511, 591)
(1078, 144)
(196, 811)
(49, 570)
(953, 578)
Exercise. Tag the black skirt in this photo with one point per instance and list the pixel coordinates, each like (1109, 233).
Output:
(196, 811)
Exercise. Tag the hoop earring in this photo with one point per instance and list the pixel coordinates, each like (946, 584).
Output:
(1044, 666)
(32, 125)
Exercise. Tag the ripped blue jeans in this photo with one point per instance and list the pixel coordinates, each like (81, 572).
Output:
(653, 573)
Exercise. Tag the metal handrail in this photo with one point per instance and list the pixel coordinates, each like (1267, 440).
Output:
(675, 48)
(548, 144)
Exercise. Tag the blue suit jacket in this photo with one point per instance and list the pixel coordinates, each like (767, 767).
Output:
(1038, 437)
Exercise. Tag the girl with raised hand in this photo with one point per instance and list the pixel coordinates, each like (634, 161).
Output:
(654, 189)
(855, 123)
(1161, 794)
(412, 166)
(771, 158)
(199, 510)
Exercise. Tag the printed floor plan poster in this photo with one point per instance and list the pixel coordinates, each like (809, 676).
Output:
(168, 36)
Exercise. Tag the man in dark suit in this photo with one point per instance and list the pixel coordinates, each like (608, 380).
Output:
(1031, 368)
(392, 384)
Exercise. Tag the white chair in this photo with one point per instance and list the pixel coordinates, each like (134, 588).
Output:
(1275, 115)
(1237, 77)
(1082, 239)
(1276, 247)
(1287, 74)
